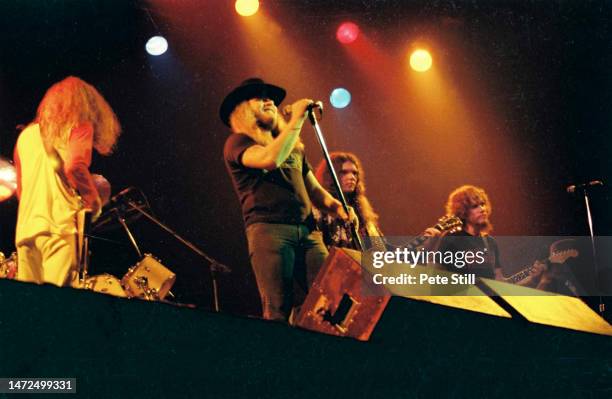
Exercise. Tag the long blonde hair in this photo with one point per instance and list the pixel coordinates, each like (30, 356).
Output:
(243, 121)
(72, 102)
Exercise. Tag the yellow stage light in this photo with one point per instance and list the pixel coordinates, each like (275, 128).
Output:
(420, 60)
(246, 8)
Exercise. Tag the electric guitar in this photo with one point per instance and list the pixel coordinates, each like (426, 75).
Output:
(555, 257)
(446, 224)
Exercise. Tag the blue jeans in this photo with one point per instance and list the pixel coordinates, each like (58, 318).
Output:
(281, 254)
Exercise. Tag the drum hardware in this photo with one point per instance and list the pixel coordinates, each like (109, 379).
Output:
(8, 266)
(129, 204)
(213, 266)
(117, 207)
(149, 294)
(148, 279)
(85, 221)
(84, 253)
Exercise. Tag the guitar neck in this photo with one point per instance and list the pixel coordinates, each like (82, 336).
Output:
(444, 224)
(421, 239)
(412, 245)
(522, 275)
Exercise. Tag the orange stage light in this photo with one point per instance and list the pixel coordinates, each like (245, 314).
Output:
(420, 60)
(246, 8)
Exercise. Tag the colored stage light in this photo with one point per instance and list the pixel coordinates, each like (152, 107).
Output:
(340, 98)
(8, 180)
(246, 8)
(420, 60)
(347, 33)
(156, 45)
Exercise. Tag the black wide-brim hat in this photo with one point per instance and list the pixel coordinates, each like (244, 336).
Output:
(250, 88)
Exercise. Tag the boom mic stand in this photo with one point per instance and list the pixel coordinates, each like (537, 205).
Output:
(213, 265)
(313, 120)
(602, 306)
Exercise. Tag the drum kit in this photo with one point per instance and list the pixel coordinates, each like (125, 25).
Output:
(148, 279)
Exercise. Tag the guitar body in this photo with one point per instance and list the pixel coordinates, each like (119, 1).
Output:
(554, 275)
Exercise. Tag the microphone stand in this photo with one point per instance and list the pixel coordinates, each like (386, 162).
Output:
(602, 306)
(214, 265)
(120, 213)
(330, 166)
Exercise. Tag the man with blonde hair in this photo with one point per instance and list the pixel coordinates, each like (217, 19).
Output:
(276, 187)
(54, 186)
(471, 204)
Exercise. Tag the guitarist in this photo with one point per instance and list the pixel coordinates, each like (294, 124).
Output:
(336, 231)
(54, 185)
(471, 204)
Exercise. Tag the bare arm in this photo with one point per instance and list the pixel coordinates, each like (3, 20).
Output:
(76, 166)
(271, 156)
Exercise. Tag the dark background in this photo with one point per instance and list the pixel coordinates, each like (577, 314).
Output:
(517, 102)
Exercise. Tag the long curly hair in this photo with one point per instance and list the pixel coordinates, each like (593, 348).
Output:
(466, 197)
(362, 205)
(70, 103)
(243, 121)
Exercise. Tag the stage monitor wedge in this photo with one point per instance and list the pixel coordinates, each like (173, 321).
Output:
(550, 309)
(340, 301)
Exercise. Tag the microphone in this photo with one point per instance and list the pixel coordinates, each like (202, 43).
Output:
(287, 109)
(122, 193)
(572, 189)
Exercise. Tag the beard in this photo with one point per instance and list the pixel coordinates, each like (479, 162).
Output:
(485, 226)
(266, 121)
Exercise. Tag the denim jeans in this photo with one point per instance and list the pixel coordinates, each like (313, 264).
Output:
(281, 254)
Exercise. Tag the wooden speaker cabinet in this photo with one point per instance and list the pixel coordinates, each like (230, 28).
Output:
(343, 300)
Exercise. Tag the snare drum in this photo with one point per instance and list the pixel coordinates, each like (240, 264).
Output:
(105, 284)
(149, 279)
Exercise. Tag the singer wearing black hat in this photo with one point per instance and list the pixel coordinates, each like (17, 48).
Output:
(276, 188)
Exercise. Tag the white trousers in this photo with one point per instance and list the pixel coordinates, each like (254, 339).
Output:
(48, 259)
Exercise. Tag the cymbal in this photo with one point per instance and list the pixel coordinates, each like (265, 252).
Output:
(8, 179)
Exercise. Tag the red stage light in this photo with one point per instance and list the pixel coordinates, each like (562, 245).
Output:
(347, 33)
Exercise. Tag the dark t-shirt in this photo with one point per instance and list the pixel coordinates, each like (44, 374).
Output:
(276, 196)
(462, 241)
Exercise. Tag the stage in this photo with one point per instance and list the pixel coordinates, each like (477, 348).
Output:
(116, 347)
(515, 100)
